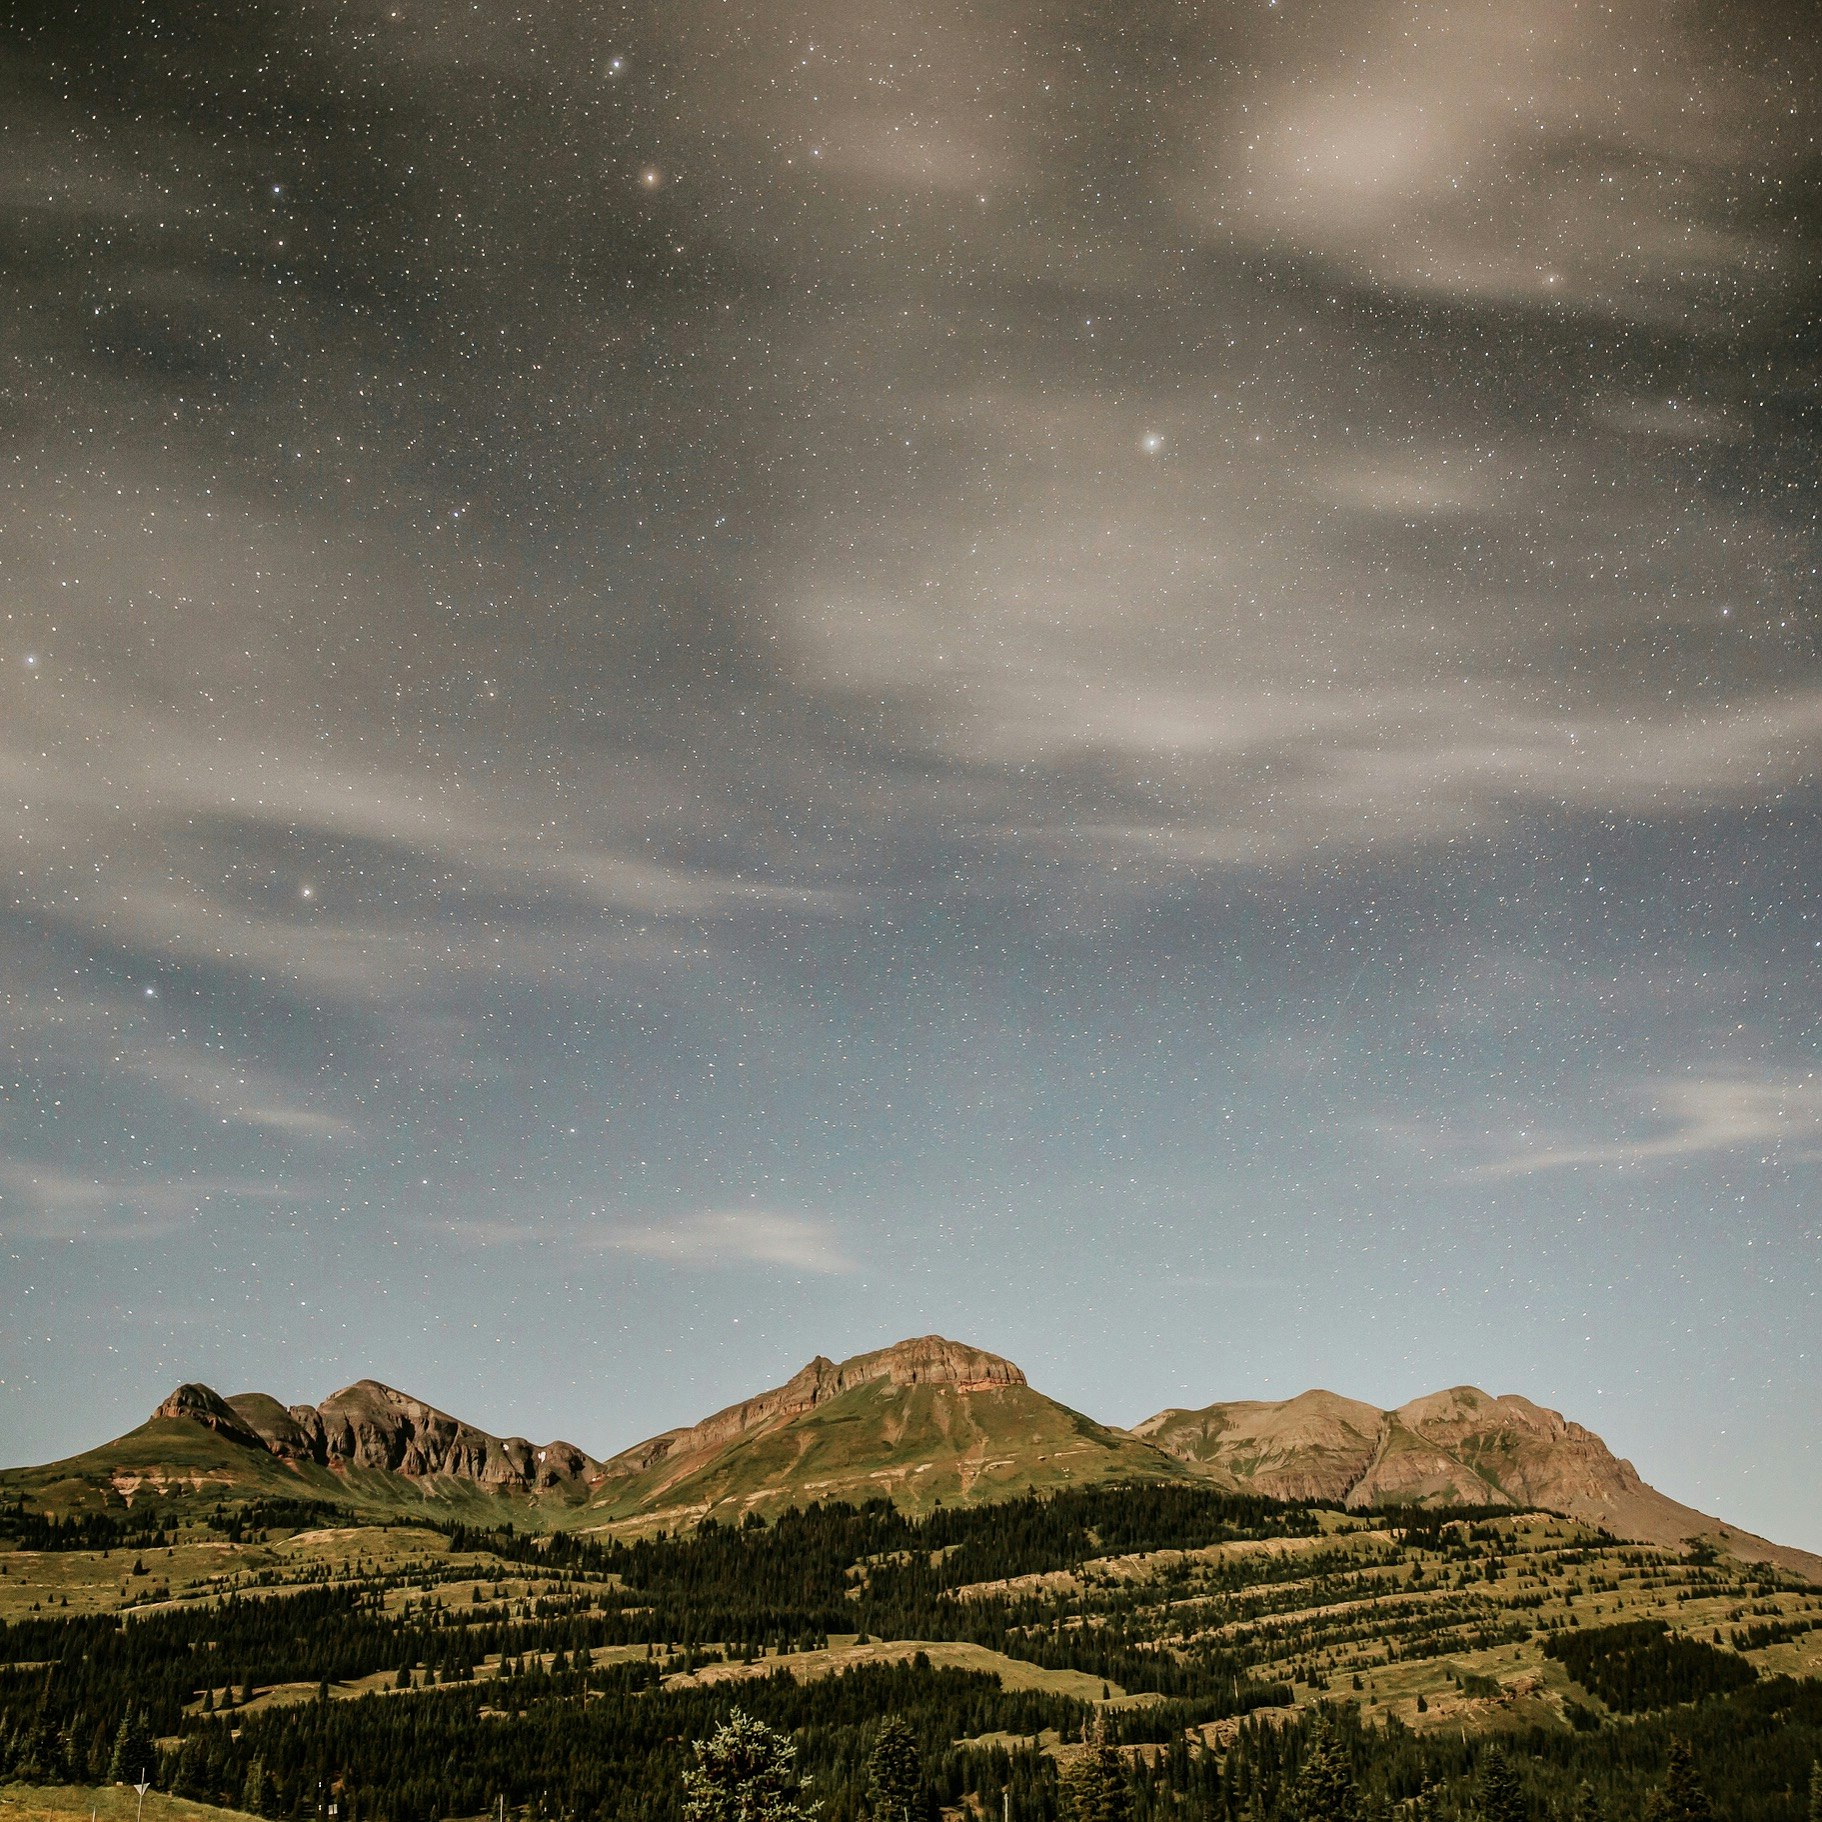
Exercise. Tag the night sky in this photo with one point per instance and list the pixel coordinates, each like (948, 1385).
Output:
(689, 684)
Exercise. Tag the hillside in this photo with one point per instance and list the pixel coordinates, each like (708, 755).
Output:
(925, 1422)
(424, 1673)
(367, 1447)
(1459, 1447)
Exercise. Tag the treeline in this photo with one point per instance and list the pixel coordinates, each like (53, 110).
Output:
(802, 1557)
(84, 1530)
(562, 1738)
(873, 1569)
(1641, 1665)
(252, 1519)
(620, 1754)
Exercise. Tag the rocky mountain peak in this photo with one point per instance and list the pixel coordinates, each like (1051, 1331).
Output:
(201, 1404)
(372, 1425)
(921, 1360)
(933, 1360)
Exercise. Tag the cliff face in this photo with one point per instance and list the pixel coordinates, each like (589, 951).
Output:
(369, 1425)
(198, 1404)
(1459, 1447)
(952, 1419)
(927, 1422)
(927, 1360)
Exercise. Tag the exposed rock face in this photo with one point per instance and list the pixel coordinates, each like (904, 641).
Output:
(1455, 1447)
(200, 1405)
(1459, 1447)
(292, 1435)
(1314, 1446)
(927, 1360)
(369, 1425)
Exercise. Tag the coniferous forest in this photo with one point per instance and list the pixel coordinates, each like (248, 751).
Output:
(1210, 1653)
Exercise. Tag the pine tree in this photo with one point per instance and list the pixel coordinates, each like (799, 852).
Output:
(123, 1747)
(1815, 1792)
(1498, 1796)
(1325, 1790)
(744, 1772)
(894, 1776)
(1681, 1797)
(1587, 1807)
(1094, 1787)
(253, 1791)
(132, 1757)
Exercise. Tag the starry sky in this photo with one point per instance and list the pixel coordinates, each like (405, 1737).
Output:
(686, 685)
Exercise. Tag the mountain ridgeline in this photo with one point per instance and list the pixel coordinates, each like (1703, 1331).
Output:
(926, 1423)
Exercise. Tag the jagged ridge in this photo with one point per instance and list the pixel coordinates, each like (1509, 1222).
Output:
(370, 1425)
(924, 1420)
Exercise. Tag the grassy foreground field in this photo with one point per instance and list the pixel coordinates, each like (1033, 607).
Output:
(104, 1803)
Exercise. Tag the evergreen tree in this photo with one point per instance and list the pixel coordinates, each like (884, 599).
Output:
(41, 1757)
(744, 1772)
(894, 1776)
(1094, 1787)
(1325, 1790)
(123, 1748)
(1498, 1796)
(1587, 1807)
(132, 1757)
(1681, 1797)
(1815, 1792)
(253, 1790)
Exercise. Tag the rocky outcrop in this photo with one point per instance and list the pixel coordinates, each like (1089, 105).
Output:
(1314, 1446)
(294, 1434)
(195, 1403)
(370, 1425)
(926, 1360)
(1459, 1447)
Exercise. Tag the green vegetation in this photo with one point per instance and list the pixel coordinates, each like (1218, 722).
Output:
(1643, 1665)
(895, 1779)
(1163, 1652)
(926, 1445)
(745, 1771)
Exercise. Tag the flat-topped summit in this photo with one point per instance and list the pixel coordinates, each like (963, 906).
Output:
(924, 1421)
(924, 1360)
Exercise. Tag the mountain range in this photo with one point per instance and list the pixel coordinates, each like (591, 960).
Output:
(924, 1422)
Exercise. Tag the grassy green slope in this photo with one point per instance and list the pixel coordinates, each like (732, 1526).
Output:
(917, 1445)
(169, 1456)
(189, 1468)
(104, 1803)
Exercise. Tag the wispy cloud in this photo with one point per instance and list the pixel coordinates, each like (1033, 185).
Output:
(1505, 154)
(45, 1202)
(237, 1093)
(711, 1238)
(1689, 1119)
